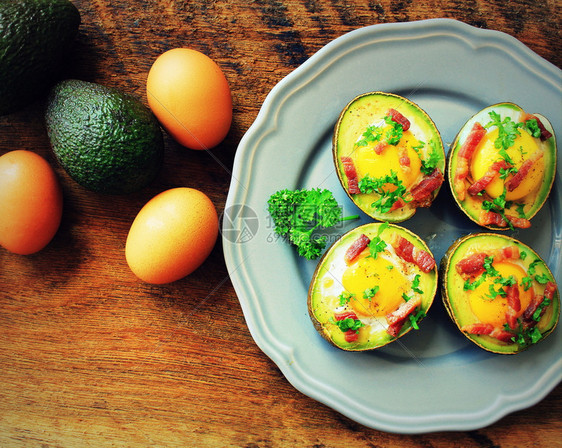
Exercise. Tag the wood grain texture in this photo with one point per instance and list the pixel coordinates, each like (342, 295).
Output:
(92, 357)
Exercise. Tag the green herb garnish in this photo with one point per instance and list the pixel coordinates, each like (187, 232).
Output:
(379, 185)
(345, 297)
(297, 214)
(348, 324)
(394, 134)
(369, 293)
(508, 130)
(377, 245)
(533, 127)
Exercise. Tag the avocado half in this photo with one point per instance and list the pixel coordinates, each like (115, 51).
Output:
(499, 292)
(501, 166)
(371, 287)
(389, 155)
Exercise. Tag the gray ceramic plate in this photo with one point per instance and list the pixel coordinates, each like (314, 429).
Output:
(432, 379)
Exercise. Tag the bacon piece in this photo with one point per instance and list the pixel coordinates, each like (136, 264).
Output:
(351, 174)
(398, 204)
(465, 154)
(341, 315)
(488, 177)
(535, 302)
(412, 254)
(356, 248)
(422, 191)
(518, 177)
(380, 147)
(545, 134)
(403, 159)
(478, 328)
(399, 118)
(487, 218)
(527, 315)
(471, 265)
(513, 305)
(488, 330)
(350, 335)
(397, 318)
(549, 290)
(508, 252)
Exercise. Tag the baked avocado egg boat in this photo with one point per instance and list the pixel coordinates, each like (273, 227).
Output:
(371, 287)
(389, 155)
(499, 292)
(501, 166)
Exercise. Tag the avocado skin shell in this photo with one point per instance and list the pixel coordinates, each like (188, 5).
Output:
(106, 140)
(34, 38)
(444, 267)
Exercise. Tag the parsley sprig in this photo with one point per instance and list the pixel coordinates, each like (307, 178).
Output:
(297, 214)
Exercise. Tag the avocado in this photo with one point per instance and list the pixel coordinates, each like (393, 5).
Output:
(35, 36)
(368, 291)
(501, 166)
(499, 292)
(389, 155)
(106, 140)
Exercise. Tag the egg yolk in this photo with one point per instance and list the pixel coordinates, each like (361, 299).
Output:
(379, 274)
(368, 162)
(523, 147)
(492, 310)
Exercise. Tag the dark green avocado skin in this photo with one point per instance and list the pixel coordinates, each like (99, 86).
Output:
(106, 140)
(35, 36)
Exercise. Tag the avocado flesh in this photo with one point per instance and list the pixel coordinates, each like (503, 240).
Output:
(526, 207)
(457, 301)
(106, 140)
(34, 38)
(327, 284)
(367, 110)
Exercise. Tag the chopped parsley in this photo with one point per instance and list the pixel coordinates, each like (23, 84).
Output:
(525, 335)
(538, 311)
(348, 324)
(427, 166)
(416, 284)
(394, 134)
(543, 279)
(345, 297)
(369, 293)
(533, 127)
(372, 134)
(508, 130)
(380, 185)
(377, 245)
(414, 318)
(526, 282)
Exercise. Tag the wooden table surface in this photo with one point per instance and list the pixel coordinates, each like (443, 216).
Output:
(91, 356)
